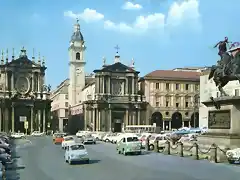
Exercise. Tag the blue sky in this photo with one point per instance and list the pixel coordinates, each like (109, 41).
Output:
(158, 34)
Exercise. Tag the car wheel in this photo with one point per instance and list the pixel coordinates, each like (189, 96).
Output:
(139, 153)
(87, 161)
(119, 152)
(94, 143)
(107, 140)
(151, 146)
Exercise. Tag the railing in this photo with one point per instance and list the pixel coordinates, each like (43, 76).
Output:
(212, 153)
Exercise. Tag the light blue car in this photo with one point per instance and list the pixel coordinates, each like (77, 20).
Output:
(76, 153)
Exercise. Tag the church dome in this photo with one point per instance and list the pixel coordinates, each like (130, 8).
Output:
(77, 35)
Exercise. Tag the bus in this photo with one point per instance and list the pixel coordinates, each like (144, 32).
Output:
(140, 128)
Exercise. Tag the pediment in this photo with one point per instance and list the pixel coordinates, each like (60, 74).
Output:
(23, 62)
(117, 67)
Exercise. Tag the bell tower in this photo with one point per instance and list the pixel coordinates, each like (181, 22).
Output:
(76, 65)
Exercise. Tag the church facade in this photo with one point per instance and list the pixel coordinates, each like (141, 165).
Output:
(107, 100)
(24, 97)
(112, 100)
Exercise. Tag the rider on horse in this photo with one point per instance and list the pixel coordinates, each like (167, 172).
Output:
(222, 49)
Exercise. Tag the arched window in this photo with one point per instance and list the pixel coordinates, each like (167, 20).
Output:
(77, 56)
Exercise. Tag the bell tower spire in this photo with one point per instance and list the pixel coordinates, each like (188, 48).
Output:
(76, 65)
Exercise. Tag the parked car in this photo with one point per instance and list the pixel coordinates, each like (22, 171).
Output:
(88, 139)
(76, 153)
(129, 144)
(37, 133)
(5, 158)
(58, 139)
(67, 140)
(233, 155)
(6, 148)
(158, 137)
(17, 135)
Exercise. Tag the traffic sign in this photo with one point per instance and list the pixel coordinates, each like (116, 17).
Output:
(26, 124)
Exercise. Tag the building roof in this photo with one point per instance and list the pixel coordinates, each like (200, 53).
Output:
(173, 75)
(116, 67)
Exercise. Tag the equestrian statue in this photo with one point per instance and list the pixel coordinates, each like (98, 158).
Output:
(227, 68)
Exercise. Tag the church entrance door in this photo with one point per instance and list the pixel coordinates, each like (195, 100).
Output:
(118, 121)
(21, 111)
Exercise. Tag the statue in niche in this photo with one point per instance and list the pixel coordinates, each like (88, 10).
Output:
(49, 88)
(45, 88)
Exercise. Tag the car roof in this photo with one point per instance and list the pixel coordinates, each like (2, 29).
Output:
(76, 143)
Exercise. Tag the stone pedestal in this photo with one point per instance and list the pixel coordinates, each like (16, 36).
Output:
(38, 95)
(223, 123)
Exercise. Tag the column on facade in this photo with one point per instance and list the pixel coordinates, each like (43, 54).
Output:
(126, 117)
(6, 80)
(1, 119)
(6, 120)
(182, 123)
(109, 84)
(44, 120)
(99, 120)
(93, 119)
(39, 120)
(163, 128)
(32, 82)
(12, 81)
(133, 85)
(170, 125)
(31, 120)
(139, 117)
(103, 84)
(110, 119)
(97, 85)
(133, 117)
(39, 82)
(189, 124)
(13, 119)
(126, 86)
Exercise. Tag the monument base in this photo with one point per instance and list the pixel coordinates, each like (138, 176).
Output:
(223, 140)
(223, 123)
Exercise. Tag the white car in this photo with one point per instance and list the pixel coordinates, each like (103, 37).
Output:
(233, 155)
(18, 135)
(76, 153)
(107, 137)
(37, 133)
(67, 140)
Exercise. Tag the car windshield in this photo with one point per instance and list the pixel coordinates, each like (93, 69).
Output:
(132, 139)
(77, 147)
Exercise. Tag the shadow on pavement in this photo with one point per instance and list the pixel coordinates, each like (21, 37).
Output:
(94, 161)
(90, 162)
(12, 168)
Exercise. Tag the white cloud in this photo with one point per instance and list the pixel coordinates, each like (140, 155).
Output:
(141, 24)
(88, 15)
(131, 6)
(178, 13)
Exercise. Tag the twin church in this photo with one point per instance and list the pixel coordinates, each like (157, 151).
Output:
(107, 100)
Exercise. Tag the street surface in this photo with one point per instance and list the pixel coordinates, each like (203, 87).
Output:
(39, 159)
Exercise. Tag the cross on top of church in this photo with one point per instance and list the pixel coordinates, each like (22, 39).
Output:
(77, 20)
(117, 48)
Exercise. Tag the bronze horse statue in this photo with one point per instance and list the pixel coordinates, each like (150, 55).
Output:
(227, 69)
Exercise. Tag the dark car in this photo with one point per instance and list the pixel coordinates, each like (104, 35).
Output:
(6, 148)
(5, 158)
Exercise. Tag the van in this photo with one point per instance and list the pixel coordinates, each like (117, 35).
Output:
(129, 144)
